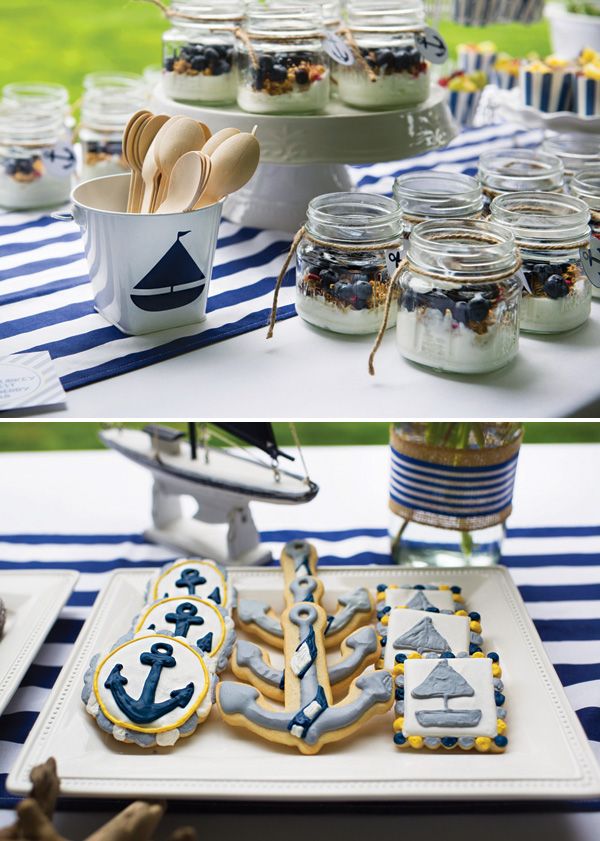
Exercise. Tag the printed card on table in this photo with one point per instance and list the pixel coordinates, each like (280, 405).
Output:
(29, 381)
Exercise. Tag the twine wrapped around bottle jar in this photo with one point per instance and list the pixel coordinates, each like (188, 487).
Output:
(458, 489)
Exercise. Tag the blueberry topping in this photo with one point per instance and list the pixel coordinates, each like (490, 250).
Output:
(384, 58)
(220, 67)
(199, 63)
(258, 78)
(556, 287)
(211, 54)
(278, 73)
(265, 63)
(302, 77)
(478, 309)
(363, 290)
(409, 300)
(343, 290)
(328, 278)
(169, 62)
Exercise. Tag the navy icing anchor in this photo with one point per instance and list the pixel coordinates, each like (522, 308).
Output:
(144, 710)
(191, 579)
(184, 616)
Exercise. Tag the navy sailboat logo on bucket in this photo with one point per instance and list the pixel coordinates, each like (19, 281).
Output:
(173, 282)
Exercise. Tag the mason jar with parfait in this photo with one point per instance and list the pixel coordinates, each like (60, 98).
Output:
(423, 196)
(550, 229)
(199, 61)
(459, 297)
(33, 173)
(105, 112)
(519, 170)
(389, 70)
(283, 67)
(585, 184)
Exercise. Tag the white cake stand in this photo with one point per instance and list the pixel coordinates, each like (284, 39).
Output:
(303, 156)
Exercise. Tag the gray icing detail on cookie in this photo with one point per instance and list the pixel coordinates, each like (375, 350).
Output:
(476, 639)
(254, 612)
(399, 708)
(419, 601)
(299, 552)
(423, 637)
(302, 589)
(375, 688)
(399, 680)
(362, 643)
(239, 698)
(466, 742)
(250, 656)
(432, 741)
(498, 684)
(445, 682)
(500, 712)
(358, 601)
(304, 616)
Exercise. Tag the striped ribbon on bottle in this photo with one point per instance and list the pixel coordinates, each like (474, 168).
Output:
(454, 489)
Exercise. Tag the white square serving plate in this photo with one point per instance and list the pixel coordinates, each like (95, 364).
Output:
(548, 756)
(33, 600)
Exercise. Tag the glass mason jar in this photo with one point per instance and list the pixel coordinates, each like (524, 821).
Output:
(575, 150)
(104, 115)
(391, 72)
(25, 182)
(41, 96)
(549, 230)
(342, 272)
(585, 184)
(437, 195)
(458, 304)
(199, 62)
(332, 14)
(516, 170)
(113, 81)
(282, 64)
(451, 488)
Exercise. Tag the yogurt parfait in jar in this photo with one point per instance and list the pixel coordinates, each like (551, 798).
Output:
(459, 297)
(585, 184)
(549, 230)
(342, 262)
(388, 71)
(283, 66)
(199, 63)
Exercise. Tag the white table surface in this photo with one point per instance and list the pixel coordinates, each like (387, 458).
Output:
(305, 372)
(100, 492)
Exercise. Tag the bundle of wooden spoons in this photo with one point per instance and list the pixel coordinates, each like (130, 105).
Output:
(177, 165)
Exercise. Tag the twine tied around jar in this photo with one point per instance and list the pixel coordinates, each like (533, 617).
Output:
(406, 263)
(303, 234)
(347, 35)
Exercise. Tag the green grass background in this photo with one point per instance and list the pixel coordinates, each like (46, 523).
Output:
(62, 40)
(15, 436)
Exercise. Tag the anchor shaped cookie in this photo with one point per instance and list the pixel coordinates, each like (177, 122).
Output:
(310, 718)
(299, 565)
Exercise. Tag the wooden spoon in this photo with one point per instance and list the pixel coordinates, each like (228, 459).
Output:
(150, 167)
(180, 136)
(213, 142)
(132, 128)
(188, 178)
(234, 163)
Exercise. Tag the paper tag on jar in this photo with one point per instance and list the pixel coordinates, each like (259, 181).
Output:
(393, 258)
(590, 260)
(521, 276)
(432, 46)
(337, 49)
(60, 160)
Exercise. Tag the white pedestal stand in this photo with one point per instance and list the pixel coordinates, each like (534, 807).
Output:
(303, 156)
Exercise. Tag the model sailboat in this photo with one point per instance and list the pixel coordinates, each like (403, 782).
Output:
(445, 682)
(222, 479)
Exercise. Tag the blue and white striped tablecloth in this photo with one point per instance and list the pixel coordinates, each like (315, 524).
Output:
(46, 301)
(557, 570)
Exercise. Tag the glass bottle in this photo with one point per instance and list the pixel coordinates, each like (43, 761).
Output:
(429, 526)
(585, 184)
(25, 180)
(549, 229)
(391, 72)
(282, 64)
(199, 61)
(342, 272)
(437, 195)
(516, 170)
(458, 304)
(41, 96)
(575, 149)
(104, 114)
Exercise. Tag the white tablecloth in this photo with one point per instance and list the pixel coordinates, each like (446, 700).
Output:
(99, 492)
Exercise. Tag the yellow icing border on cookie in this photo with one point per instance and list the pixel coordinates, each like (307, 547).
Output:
(191, 561)
(187, 599)
(129, 725)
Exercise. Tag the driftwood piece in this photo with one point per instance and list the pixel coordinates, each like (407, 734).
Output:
(137, 822)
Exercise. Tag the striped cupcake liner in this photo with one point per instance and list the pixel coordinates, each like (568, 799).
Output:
(471, 61)
(548, 92)
(587, 96)
(505, 81)
(463, 106)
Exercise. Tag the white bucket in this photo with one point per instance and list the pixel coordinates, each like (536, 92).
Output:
(148, 271)
(572, 32)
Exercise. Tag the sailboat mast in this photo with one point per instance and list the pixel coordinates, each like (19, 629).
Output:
(193, 440)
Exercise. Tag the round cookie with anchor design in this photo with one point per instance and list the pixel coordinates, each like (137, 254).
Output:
(193, 577)
(150, 690)
(198, 621)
